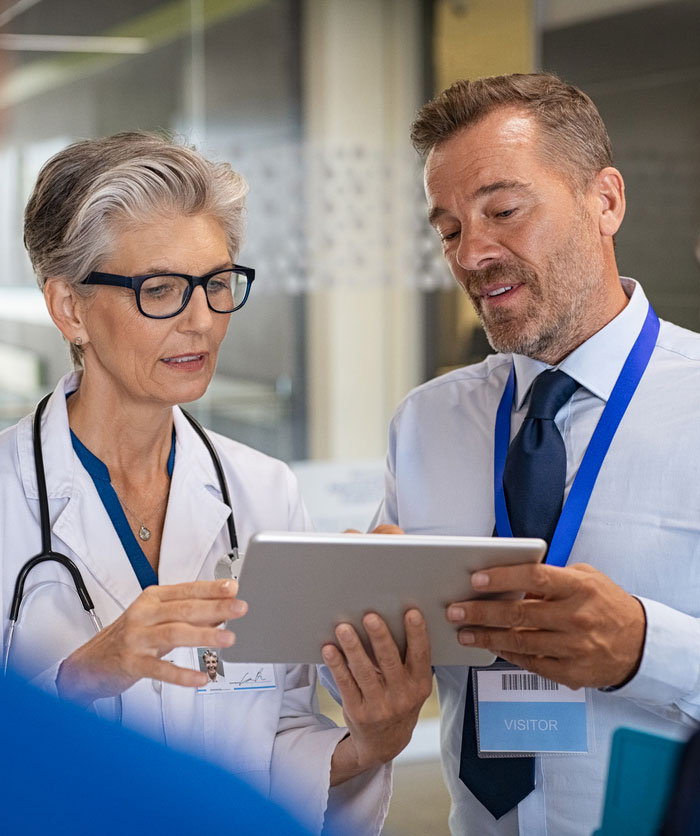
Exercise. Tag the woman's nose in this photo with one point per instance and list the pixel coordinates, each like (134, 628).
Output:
(197, 315)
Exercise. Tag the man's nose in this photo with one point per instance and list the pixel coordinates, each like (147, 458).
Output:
(477, 247)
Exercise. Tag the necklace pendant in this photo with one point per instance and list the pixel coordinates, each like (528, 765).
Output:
(144, 533)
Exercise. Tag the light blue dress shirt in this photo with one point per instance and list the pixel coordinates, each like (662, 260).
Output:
(642, 529)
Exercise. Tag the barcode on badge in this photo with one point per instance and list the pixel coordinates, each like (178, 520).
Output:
(527, 682)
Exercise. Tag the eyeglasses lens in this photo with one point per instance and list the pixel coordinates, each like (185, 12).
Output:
(163, 295)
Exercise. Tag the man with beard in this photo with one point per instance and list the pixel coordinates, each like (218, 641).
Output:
(586, 386)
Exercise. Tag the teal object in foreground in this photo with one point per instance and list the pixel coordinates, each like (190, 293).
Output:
(65, 771)
(641, 777)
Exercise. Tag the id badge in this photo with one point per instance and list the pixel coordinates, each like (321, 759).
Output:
(519, 713)
(229, 676)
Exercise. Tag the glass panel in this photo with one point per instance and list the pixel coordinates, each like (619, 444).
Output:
(180, 71)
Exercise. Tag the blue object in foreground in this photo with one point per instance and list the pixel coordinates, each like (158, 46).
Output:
(68, 772)
(641, 777)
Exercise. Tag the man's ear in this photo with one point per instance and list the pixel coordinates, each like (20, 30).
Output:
(66, 310)
(609, 192)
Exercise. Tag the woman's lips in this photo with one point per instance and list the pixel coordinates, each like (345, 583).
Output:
(185, 362)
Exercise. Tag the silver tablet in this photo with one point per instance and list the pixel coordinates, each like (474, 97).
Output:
(299, 586)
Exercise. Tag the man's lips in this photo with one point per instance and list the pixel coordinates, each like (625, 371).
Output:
(493, 291)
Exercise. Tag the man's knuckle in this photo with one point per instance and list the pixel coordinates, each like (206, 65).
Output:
(425, 689)
(519, 641)
(518, 615)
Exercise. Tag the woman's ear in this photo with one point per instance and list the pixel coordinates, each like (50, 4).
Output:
(609, 190)
(66, 309)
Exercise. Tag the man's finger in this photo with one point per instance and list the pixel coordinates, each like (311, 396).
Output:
(527, 642)
(529, 612)
(538, 578)
(562, 671)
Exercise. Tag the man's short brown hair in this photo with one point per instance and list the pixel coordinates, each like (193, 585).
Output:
(573, 135)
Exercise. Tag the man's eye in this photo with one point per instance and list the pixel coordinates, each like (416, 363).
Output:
(506, 213)
(448, 236)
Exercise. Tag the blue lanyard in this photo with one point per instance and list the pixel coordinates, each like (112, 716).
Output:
(575, 506)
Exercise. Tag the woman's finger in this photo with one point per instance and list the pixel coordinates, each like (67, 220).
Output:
(195, 589)
(163, 638)
(333, 658)
(199, 612)
(163, 671)
(417, 644)
(361, 666)
(384, 648)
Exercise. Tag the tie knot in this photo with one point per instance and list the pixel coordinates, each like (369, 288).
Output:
(550, 391)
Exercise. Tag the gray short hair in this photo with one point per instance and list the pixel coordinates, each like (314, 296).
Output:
(573, 136)
(89, 191)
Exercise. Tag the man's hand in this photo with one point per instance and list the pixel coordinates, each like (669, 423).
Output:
(575, 626)
(380, 702)
(132, 646)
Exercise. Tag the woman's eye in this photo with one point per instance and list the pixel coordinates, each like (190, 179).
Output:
(156, 288)
(505, 213)
(448, 236)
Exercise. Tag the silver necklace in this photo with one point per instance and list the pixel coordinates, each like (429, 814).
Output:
(144, 531)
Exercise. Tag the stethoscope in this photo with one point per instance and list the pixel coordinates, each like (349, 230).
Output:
(226, 567)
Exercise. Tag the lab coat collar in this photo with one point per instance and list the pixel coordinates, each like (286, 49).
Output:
(596, 364)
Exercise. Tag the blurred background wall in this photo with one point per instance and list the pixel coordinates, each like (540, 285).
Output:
(312, 101)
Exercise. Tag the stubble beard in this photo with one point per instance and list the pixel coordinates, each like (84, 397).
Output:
(553, 323)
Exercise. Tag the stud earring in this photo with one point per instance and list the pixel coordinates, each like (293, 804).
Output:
(78, 341)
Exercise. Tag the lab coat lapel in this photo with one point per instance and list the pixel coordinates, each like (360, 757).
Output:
(78, 516)
(85, 527)
(196, 514)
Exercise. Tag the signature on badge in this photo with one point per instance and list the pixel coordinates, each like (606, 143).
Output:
(254, 679)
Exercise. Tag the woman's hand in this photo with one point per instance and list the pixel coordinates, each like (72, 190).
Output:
(132, 647)
(381, 701)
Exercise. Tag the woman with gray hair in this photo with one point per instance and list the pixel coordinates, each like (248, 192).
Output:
(134, 241)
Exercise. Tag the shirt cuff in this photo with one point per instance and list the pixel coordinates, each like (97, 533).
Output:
(670, 668)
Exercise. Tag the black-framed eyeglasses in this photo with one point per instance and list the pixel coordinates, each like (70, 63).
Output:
(162, 295)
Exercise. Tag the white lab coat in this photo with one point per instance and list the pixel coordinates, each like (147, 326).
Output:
(275, 739)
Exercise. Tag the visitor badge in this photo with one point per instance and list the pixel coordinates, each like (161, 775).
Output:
(522, 713)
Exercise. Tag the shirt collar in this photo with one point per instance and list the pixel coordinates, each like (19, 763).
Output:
(595, 364)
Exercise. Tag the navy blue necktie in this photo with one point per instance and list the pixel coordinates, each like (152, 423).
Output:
(533, 483)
